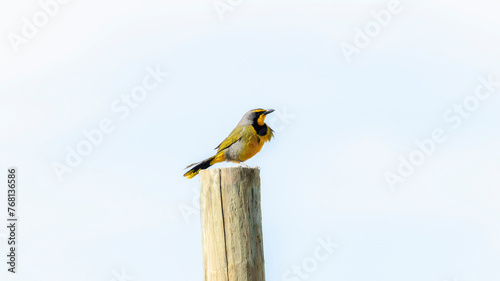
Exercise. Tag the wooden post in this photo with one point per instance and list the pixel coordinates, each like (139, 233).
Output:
(231, 224)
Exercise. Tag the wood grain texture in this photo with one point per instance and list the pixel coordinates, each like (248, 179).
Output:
(231, 224)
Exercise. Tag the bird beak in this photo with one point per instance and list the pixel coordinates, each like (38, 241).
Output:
(268, 111)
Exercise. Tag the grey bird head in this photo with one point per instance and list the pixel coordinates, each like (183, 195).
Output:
(252, 116)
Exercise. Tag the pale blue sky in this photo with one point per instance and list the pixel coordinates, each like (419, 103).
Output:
(322, 175)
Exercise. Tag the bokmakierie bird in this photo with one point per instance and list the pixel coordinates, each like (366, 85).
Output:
(243, 143)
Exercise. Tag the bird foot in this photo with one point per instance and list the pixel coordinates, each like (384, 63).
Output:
(246, 166)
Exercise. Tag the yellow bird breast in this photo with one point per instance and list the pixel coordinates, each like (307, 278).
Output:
(253, 146)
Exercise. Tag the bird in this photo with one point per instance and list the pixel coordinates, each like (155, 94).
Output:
(246, 140)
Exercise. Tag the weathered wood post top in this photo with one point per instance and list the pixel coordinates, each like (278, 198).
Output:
(231, 224)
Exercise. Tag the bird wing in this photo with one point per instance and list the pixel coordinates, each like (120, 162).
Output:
(231, 139)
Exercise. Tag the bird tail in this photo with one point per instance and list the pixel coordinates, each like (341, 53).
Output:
(219, 157)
